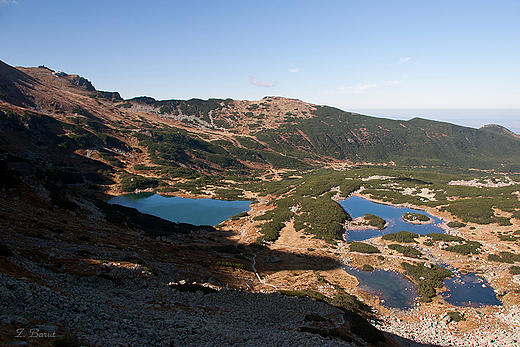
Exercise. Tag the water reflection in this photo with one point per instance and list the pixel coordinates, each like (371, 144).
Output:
(176, 209)
(462, 290)
(358, 207)
(390, 287)
(469, 291)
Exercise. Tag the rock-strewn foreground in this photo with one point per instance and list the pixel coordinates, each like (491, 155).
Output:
(72, 264)
(427, 329)
(146, 312)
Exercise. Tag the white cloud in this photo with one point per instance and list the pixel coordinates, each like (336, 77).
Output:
(358, 88)
(294, 70)
(8, 2)
(390, 82)
(403, 60)
(256, 82)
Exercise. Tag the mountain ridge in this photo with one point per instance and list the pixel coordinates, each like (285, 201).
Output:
(291, 130)
(66, 149)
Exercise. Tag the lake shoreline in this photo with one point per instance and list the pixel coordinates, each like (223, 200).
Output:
(443, 216)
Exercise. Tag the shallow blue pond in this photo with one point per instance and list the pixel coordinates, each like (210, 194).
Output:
(358, 207)
(469, 291)
(390, 286)
(462, 290)
(183, 210)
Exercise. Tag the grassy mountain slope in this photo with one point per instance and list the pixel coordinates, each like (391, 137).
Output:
(66, 148)
(230, 135)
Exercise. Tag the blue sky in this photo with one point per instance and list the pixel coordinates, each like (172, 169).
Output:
(456, 61)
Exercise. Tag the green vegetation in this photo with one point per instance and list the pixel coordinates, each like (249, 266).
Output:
(341, 300)
(514, 270)
(143, 167)
(416, 217)
(456, 316)
(456, 224)
(311, 196)
(367, 267)
(271, 231)
(407, 251)
(232, 265)
(375, 221)
(354, 311)
(240, 215)
(508, 238)
(464, 247)
(349, 136)
(479, 210)
(229, 194)
(504, 257)
(130, 183)
(470, 247)
(322, 217)
(133, 260)
(426, 278)
(362, 247)
(401, 236)
(362, 328)
(445, 237)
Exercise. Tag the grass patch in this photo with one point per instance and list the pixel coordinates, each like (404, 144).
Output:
(470, 247)
(367, 267)
(232, 265)
(514, 270)
(407, 251)
(401, 236)
(375, 221)
(456, 224)
(504, 257)
(456, 316)
(362, 247)
(444, 237)
(416, 217)
(240, 215)
(427, 279)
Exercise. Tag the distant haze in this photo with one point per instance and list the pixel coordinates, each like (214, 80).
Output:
(403, 58)
(509, 118)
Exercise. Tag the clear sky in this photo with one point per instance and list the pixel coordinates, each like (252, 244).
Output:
(456, 61)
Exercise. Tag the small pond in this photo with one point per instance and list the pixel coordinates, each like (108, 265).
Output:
(390, 286)
(469, 291)
(183, 210)
(358, 207)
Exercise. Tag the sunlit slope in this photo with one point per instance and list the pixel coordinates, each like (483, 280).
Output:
(357, 138)
(226, 134)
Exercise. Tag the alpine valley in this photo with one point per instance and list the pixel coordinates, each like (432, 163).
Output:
(76, 270)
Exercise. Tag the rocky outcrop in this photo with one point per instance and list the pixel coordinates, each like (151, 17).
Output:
(147, 312)
(11, 82)
(83, 82)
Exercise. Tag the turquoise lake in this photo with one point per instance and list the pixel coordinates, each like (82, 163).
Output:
(390, 287)
(469, 291)
(358, 207)
(393, 288)
(183, 210)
